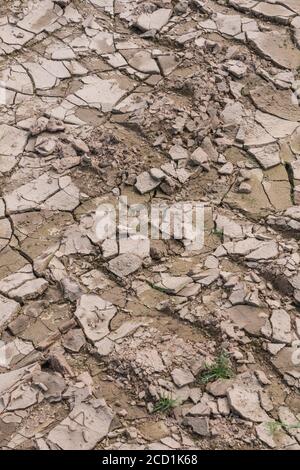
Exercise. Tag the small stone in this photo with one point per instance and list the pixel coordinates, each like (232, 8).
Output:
(8, 308)
(182, 377)
(200, 426)
(71, 289)
(105, 347)
(59, 363)
(45, 146)
(177, 152)
(173, 284)
(23, 285)
(109, 248)
(237, 68)
(146, 183)
(157, 174)
(264, 433)
(94, 315)
(226, 169)
(80, 146)
(267, 251)
(223, 406)
(51, 384)
(247, 404)
(219, 387)
(86, 425)
(135, 244)
(74, 340)
(244, 188)
(55, 125)
(281, 326)
(267, 156)
(155, 20)
(200, 409)
(125, 264)
(199, 157)
(263, 379)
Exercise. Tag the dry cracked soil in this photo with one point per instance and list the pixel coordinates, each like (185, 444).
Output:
(134, 343)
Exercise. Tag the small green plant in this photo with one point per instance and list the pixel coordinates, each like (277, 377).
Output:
(274, 426)
(218, 232)
(220, 369)
(293, 426)
(164, 405)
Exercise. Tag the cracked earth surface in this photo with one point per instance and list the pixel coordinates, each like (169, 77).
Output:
(157, 101)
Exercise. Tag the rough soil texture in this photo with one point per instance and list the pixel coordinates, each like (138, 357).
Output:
(157, 101)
